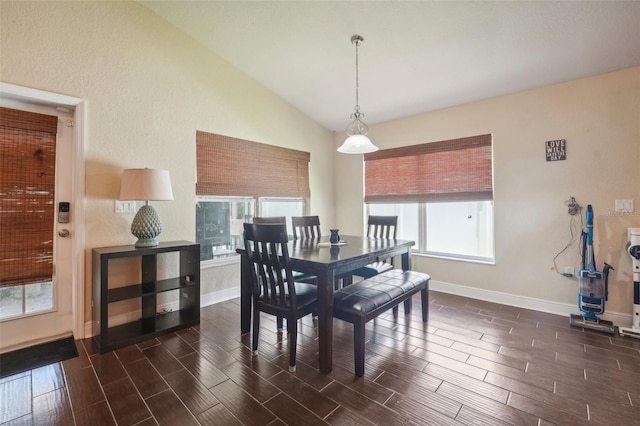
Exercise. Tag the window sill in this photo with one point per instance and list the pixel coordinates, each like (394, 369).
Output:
(220, 261)
(28, 314)
(467, 259)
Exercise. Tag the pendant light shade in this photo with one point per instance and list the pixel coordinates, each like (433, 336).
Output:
(357, 141)
(357, 144)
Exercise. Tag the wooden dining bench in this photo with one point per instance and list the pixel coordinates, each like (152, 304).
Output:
(363, 301)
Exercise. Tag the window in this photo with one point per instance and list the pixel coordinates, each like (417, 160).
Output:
(25, 299)
(239, 179)
(408, 223)
(442, 193)
(219, 220)
(219, 225)
(459, 229)
(281, 207)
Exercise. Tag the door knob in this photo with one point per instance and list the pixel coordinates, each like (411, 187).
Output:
(64, 233)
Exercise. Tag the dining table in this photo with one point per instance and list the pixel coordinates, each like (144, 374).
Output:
(327, 262)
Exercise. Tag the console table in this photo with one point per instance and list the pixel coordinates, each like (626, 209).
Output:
(146, 287)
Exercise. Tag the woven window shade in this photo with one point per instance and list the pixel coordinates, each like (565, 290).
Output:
(452, 170)
(27, 185)
(235, 167)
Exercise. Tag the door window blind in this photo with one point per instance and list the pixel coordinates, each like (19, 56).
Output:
(452, 170)
(27, 186)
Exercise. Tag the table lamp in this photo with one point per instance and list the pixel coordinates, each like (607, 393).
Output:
(146, 185)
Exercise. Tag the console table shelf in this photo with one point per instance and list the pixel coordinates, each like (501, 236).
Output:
(151, 322)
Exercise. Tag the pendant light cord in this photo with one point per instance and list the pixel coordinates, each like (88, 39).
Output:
(357, 107)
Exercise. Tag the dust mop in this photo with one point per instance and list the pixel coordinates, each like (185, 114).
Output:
(593, 287)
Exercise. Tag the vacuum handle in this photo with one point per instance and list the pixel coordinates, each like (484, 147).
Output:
(589, 225)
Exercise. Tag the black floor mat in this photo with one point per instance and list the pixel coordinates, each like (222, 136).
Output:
(37, 356)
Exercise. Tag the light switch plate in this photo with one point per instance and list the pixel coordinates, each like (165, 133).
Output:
(125, 206)
(624, 206)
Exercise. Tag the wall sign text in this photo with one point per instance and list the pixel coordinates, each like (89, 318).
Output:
(556, 150)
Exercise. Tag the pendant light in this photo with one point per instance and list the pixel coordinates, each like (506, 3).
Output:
(357, 141)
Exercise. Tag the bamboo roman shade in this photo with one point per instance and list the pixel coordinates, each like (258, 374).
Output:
(236, 167)
(452, 170)
(27, 185)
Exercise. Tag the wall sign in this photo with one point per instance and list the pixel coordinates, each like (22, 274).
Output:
(556, 150)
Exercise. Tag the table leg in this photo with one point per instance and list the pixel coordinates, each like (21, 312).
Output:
(245, 296)
(325, 321)
(406, 260)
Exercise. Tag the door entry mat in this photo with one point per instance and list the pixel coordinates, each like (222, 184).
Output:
(37, 356)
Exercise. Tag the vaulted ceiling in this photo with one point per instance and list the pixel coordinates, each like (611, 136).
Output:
(417, 56)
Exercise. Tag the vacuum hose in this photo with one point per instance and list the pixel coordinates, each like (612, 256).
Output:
(605, 272)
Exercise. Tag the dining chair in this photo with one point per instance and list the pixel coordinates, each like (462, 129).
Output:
(282, 220)
(261, 220)
(377, 227)
(306, 227)
(274, 290)
(297, 275)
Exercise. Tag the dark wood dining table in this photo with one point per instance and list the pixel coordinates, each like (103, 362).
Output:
(327, 263)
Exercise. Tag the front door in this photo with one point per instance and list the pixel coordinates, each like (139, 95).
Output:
(47, 311)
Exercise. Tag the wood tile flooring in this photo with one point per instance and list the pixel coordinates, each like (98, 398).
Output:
(473, 363)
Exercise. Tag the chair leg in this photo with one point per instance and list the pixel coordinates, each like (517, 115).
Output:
(279, 323)
(424, 295)
(292, 330)
(395, 311)
(256, 331)
(358, 346)
(347, 280)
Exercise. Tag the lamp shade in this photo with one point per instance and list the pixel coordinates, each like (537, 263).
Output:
(146, 185)
(357, 144)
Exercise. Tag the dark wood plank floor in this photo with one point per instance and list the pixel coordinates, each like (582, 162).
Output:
(473, 363)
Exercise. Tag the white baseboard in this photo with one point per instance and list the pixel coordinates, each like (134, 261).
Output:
(205, 300)
(564, 309)
(541, 305)
(219, 296)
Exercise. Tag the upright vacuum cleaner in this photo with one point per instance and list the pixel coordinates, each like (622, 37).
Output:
(633, 234)
(593, 286)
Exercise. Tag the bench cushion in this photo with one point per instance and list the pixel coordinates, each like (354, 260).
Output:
(372, 296)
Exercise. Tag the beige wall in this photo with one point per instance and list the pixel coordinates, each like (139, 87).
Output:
(600, 119)
(149, 88)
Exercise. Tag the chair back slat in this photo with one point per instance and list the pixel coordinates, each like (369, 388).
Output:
(306, 227)
(270, 269)
(382, 226)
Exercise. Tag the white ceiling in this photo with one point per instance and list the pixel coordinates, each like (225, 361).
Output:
(417, 56)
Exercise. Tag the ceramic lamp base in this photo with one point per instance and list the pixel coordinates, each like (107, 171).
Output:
(146, 226)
